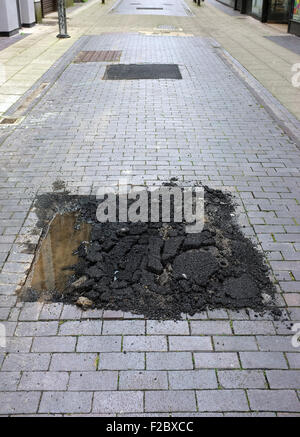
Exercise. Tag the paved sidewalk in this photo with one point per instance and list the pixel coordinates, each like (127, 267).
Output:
(85, 130)
(23, 63)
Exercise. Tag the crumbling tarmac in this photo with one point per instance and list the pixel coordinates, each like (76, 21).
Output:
(157, 269)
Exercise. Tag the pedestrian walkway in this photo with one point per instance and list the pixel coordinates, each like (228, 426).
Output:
(208, 126)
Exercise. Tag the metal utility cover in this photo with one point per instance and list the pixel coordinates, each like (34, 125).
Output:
(98, 56)
(142, 71)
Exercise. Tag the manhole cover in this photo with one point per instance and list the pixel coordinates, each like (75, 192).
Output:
(153, 267)
(167, 27)
(98, 56)
(142, 71)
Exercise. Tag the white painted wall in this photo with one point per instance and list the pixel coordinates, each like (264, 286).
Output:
(8, 15)
(27, 11)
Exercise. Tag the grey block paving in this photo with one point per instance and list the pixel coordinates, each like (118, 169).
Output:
(155, 327)
(168, 360)
(126, 327)
(236, 343)
(9, 381)
(30, 311)
(41, 329)
(265, 360)
(43, 381)
(192, 379)
(293, 360)
(73, 361)
(22, 362)
(54, 344)
(86, 327)
(4, 313)
(255, 327)
(70, 312)
(19, 403)
(155, 343)
(216, 360)
(18, 344)
(60, 360)
(222, 400)
(121, 361)
(192, 343)
(275, 343)
(210, 327)
(51, 311)
(283, 378)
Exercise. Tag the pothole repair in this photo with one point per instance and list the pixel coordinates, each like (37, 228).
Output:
(154, 269)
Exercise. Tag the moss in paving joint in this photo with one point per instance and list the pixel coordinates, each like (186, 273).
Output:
(292, 276)
(97, 359)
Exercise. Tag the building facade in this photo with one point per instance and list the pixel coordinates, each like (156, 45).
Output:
(272, 11)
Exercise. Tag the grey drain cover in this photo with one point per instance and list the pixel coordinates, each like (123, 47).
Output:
(142, 71)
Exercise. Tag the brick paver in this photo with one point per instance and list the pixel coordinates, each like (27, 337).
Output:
(86, 131)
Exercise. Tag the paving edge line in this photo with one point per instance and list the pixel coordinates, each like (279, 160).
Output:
(284, 118)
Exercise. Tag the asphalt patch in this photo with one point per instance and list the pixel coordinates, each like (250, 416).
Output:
(157, 269)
